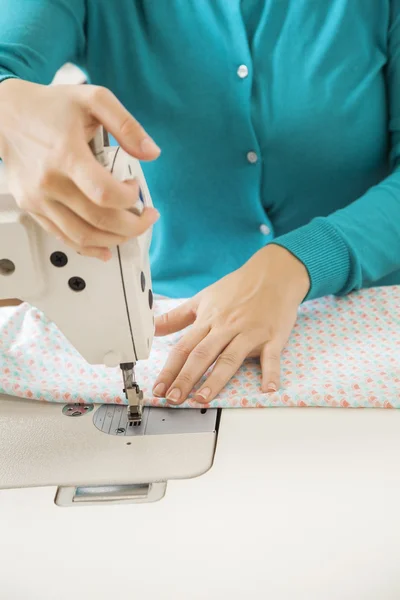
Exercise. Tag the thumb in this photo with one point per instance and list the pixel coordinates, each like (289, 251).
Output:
(271, 367)
(177, 319)
(118, 121)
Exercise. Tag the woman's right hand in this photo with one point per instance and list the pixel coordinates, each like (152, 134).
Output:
(52, 173)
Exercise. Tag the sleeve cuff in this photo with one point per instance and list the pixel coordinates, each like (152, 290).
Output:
(4, 75)
(324, 253)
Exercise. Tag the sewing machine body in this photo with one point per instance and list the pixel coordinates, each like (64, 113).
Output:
(95, 454)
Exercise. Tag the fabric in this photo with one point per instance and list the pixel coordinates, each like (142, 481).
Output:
(320, 107)
(343, 353)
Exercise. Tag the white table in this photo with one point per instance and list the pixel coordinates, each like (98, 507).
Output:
(301, 504)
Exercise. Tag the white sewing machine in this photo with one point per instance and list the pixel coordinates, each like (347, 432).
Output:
(106, 312)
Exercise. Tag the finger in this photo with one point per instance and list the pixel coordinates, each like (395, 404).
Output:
(199, 360)
(177, 358)
(226, 366)
(118, 121)
(177, 319)
(96, 182)
(79, 231)
(103, 254)
(270, 367)
(122, 223)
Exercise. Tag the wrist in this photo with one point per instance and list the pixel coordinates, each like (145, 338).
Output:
(10, 90)
(284, 268)
(9, 87)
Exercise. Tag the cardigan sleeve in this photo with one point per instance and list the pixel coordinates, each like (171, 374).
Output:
(38, 37)
(360, 244)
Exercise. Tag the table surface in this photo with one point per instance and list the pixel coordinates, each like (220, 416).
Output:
(300, 504)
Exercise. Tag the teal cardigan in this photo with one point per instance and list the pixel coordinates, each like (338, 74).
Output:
(278, 121)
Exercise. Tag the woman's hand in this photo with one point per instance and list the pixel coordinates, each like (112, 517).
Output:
(53, 175)
(250, 312)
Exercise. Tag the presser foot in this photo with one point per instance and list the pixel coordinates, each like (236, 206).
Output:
(135, 404)
(133, 394)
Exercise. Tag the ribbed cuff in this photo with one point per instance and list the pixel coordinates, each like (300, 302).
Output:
(324, 253)
(5, 75)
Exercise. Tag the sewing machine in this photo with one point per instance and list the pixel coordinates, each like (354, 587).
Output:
(94, 453)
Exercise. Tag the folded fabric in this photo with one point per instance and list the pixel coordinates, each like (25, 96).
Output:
(343, 352)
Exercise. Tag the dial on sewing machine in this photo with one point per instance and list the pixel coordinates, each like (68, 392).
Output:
(39, 269)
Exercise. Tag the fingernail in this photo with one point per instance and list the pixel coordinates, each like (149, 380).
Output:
(154, 215)
(204, 393)
(132, 182)
(271, 388)
(148, 146)
(106, 256)
(160, 389)
(174, 395)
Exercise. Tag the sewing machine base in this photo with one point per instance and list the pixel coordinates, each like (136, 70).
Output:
(94, 456)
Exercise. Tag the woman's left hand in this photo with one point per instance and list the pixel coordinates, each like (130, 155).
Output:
(250, 312)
